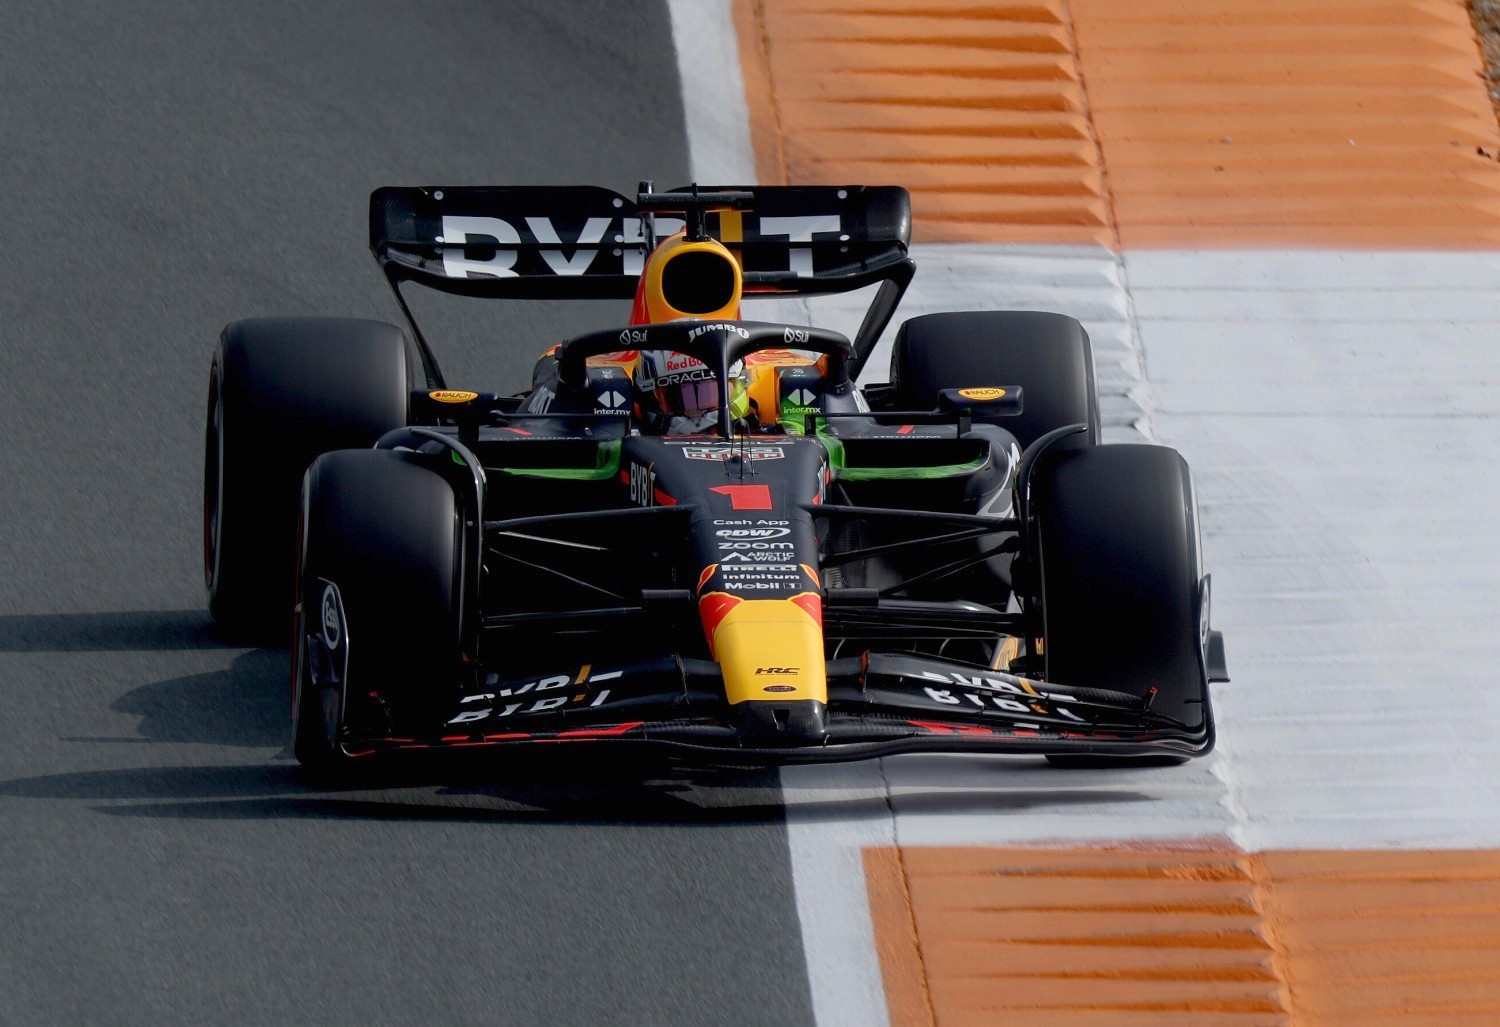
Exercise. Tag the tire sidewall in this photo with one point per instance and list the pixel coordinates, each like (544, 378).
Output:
(385, 532)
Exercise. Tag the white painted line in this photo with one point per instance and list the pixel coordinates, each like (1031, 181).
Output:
(833, 814)
(713, 93)
(964, 800)
(1342, 413)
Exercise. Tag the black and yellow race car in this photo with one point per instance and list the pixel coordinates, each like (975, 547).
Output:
(811, 570)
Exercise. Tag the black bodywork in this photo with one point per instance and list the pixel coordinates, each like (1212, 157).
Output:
(590, 554)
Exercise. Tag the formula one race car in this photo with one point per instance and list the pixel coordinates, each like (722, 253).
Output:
(696, 533)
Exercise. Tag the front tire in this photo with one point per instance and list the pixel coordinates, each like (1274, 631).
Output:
(380, 545)
(1117, 541)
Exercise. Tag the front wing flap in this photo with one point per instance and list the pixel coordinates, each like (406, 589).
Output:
(878, 704)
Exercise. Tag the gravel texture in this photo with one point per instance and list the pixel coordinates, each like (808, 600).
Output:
(1486, 15)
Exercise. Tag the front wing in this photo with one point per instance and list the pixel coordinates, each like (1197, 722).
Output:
(879, 704)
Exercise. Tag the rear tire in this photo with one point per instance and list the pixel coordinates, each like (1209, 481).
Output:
(1048, 355)
(281, 391)
(1117, 537)
(385, 532)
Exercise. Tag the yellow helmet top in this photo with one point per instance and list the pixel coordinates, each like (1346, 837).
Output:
(688, 279)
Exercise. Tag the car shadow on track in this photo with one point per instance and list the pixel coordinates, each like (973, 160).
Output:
(601, 792)
(245, 705)
(130, 631)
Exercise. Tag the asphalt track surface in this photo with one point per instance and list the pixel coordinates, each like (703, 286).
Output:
(164, 171)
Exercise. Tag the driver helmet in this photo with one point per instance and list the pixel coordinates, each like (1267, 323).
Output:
(685, 387)
(698, 280)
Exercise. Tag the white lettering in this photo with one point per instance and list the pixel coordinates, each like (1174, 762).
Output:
(993, 684)
(469, 716)
(736, 329)
(593, 232)
(753, 532)
(801, 229)
(456, 233)
(540, 401)
(642, 485)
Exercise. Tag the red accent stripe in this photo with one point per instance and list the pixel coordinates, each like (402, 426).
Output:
(812, 604)
(905, 429)
(746, 497)
(712, 610)
(662, 499)
(708, 572)
(601, 732)
(505, 738)
(950, 729)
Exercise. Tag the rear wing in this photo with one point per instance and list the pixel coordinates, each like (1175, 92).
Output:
(585, 242)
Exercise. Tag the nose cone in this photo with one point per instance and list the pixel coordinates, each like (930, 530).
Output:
(770, 652)
(768, 649)
(782, 723)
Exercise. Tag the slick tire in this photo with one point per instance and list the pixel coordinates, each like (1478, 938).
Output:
(1048, 355)
(280, 391)
(379, 548)
(1116, 533)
